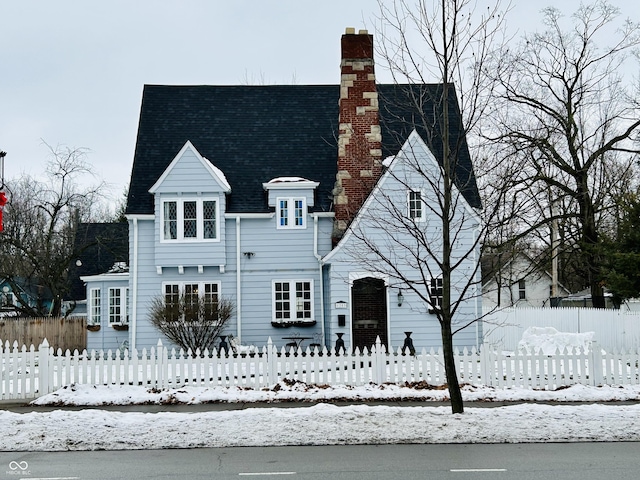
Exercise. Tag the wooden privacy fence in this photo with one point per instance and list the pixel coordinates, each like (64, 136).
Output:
(28, 373)
(65, 333)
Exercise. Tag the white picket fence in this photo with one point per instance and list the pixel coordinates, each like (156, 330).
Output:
(28, 373)
(613, 329)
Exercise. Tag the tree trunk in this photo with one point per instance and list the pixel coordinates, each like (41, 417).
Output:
(457, 406)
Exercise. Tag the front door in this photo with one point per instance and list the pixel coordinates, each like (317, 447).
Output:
(369, 312)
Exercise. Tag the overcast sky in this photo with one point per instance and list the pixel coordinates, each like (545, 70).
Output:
(72, 72)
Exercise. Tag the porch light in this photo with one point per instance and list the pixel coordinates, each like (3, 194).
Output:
(400, 298)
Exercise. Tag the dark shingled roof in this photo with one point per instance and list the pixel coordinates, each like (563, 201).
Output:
(98, 246)
(257, 133)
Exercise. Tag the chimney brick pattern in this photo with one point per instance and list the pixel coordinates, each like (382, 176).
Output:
(359, 139)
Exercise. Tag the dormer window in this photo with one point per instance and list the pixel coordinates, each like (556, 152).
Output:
(190, 220)
(291, 212)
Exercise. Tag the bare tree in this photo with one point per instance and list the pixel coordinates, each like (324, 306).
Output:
(190, 321)
(41, 217)
(568, 118)
(445, 43)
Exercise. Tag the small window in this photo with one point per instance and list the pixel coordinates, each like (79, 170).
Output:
(522, 290)
(291, 212)
(6, 299)
(416, 208)
(95, 308)
(293, 301)
(435, 294)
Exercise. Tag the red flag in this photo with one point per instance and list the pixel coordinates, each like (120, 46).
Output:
(3, 202)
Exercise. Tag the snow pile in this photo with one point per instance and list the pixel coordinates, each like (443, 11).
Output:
(549, 340)
(288, 391)
(321, 424)
(251, 424)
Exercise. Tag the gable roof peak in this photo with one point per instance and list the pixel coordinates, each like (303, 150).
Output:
(215, 172)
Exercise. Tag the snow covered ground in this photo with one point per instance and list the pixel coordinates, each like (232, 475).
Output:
(597, 418)
(361, 421)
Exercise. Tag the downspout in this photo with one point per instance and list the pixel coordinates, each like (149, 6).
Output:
(238, 282)
(319, 258)
(134, 289)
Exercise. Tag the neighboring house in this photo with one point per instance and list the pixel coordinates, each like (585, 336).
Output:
(17, 294)
(99, 247)
(252, 193)
(516, 280)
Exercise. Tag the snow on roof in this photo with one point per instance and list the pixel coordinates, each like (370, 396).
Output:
(387, 161)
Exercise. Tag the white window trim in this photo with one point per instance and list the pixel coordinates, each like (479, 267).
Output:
(201, 289)
(434, 308)
(180, 219)
(291, 216)
(124, 305)
(94, 311)
(292, 309)
(422, 216)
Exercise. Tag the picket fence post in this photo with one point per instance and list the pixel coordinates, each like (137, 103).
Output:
(44, 354)
(272, 363)
(595, 365)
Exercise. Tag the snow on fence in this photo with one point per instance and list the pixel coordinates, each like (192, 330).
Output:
(613, 329)
(28, 373)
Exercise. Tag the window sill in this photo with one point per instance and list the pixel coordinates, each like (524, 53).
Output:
(293, 323)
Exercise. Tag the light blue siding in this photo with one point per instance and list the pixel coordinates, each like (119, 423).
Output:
(107, 338)
(276, 254)
(379, 222)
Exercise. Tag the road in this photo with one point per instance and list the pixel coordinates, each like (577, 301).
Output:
(568, 461)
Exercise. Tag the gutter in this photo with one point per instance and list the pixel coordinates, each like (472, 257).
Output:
(320, 265)
(134, 293)
(238, 282)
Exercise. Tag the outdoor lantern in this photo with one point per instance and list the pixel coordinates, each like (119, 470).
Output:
(400, 298)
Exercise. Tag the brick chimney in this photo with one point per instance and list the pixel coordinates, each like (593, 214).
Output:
(359, 139)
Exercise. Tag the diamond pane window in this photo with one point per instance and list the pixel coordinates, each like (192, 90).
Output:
(190, 220)
(209, 218)
(170, 220)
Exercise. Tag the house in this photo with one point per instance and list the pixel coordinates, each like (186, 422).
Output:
(517, 280)
(18, 295)
(99, 247)
(254, 193)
